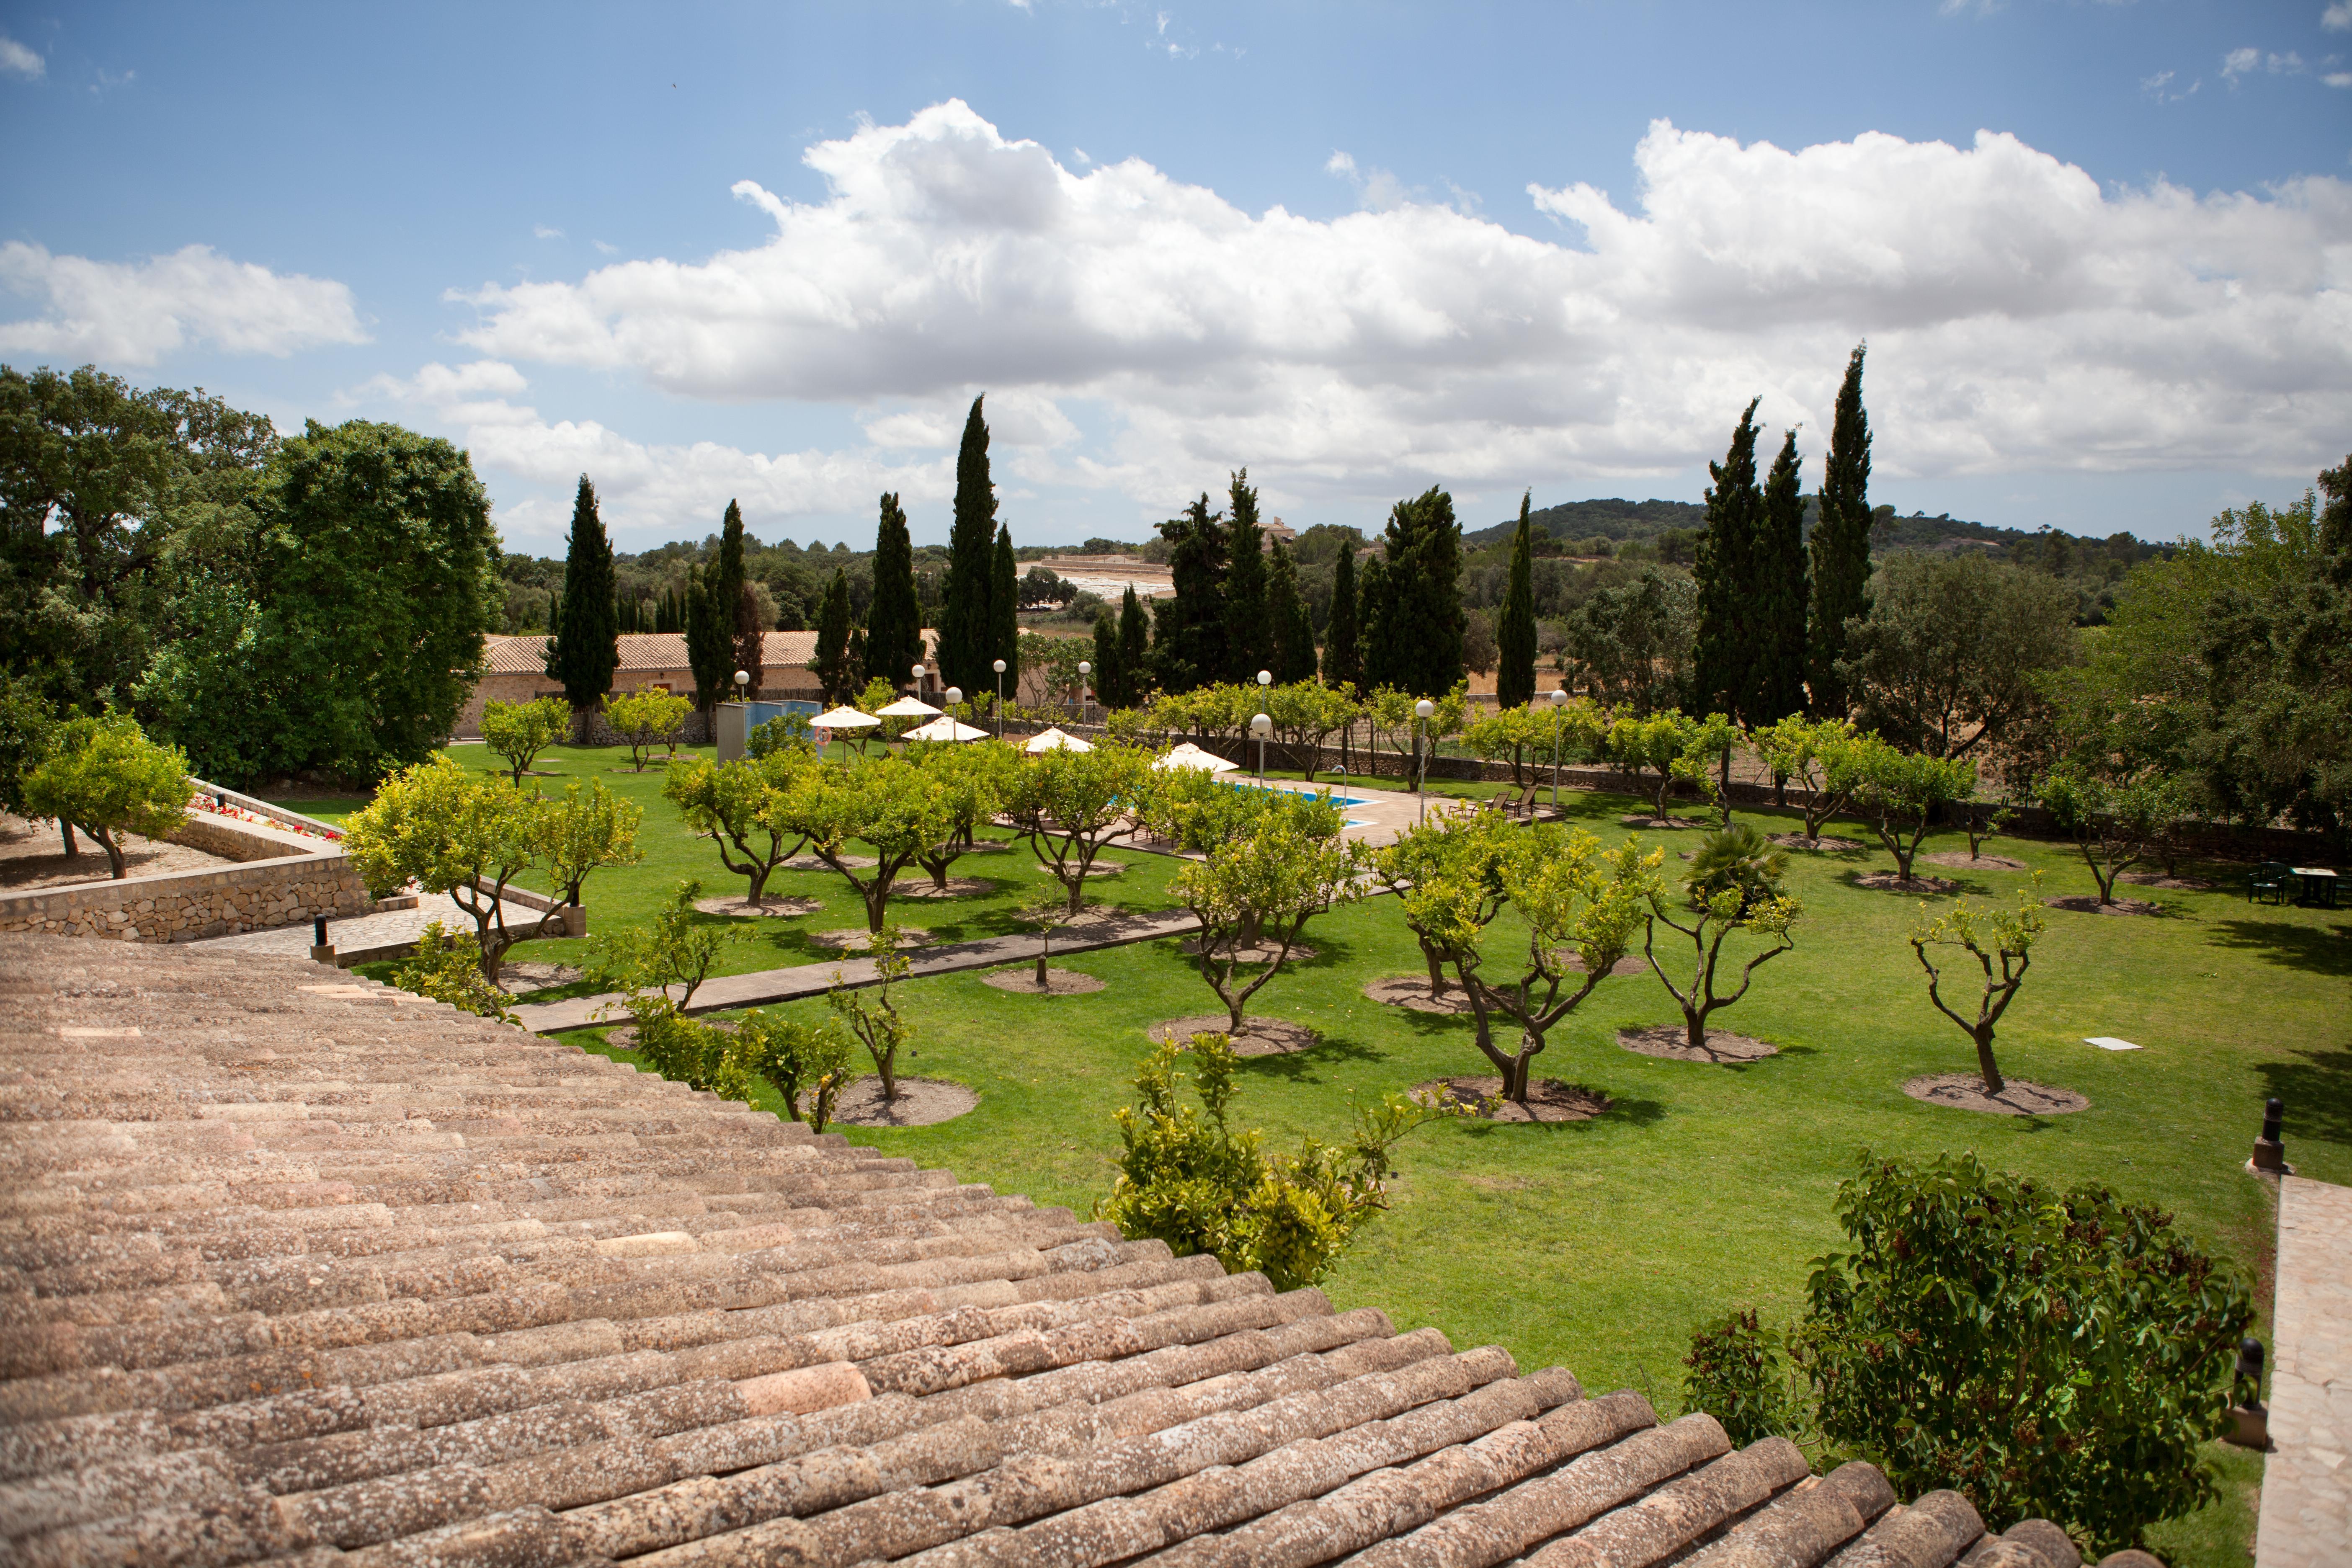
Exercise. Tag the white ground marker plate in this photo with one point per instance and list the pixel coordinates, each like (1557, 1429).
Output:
(2108, 1043)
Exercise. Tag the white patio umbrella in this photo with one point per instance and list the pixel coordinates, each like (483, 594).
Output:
(1187, 755)
(944, 727)
(846, 719)
(907, 708)
(1055, 740)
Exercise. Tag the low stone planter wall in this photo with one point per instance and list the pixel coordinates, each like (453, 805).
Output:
(282, 878)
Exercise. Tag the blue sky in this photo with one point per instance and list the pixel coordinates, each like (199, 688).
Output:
(773, 251)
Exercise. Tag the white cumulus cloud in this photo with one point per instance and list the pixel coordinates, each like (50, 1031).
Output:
(2337, 17)
(133, 313)
(17, 60)
(2020, 317)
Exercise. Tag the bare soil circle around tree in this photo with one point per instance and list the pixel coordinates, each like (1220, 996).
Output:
(957, 888)
(1958, 859)
(815, 863)
(1888, 882)
(1627, 965)
(1099, 868)
(1966, 1092)
(1262, 953)
(1659, 824)
(535, 974)
(2086, 904)
(921, 1102)
(738, 907)
(1257, 1036)
(855, 939)
(1549, 1099)
(1672, 1042)
(1827, 844)
(2171, 884)
(1059, 982)
(624, 1037)
(1412, 992)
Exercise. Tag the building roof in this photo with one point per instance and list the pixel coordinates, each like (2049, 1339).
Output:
(647, 651)
(299, 1267)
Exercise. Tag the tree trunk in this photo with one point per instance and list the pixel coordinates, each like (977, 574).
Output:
(1993, 1082)
(877, 899)
(65, 830)
(1515, 1078)
(758, 882)
(1437, 972)
(115, 862)
(1694, 1028)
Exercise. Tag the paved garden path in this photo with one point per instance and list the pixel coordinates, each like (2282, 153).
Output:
(2306, 1516)
(362, 939)
(766, 985)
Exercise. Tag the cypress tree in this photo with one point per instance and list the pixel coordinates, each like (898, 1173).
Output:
(727, 588)
(1373, 607)
(1188, 630)
(831, 664)
(1004, 616)
(586, 647)
(1134, 648)
(1779, 593)
(1343, 659)
(1841, 545)
(894, 625)
(1294, 628)
(1725, 658)
(1515, 631)
(709, 637)
(1415, 643)
(751, 639)
(1110, 690)
(967, 628)
(1249, 611)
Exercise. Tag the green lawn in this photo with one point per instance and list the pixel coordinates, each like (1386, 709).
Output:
(1597, 1245)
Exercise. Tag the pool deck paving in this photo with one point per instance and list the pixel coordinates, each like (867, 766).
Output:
(2307, 1508)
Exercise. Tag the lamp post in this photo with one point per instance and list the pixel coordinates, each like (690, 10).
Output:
(1421, 712)
(1085, 667)
(954, 695)
(919, 678)
(1559, 701)
(1259, 726)
(999, 699)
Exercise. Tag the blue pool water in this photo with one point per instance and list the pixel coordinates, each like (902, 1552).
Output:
(1343, 801)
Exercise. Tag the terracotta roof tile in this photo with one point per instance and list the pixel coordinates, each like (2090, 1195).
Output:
(326, 1277)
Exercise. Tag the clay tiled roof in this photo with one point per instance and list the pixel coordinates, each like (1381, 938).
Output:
(293, 1266)
(644, 652)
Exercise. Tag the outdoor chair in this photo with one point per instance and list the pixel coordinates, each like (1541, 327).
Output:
(1526, 805)
(2270, 883)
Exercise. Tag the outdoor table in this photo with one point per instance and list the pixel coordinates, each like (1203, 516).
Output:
(2318, 886)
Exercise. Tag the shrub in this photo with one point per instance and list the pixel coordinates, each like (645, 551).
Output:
(1189, 1180)
(785, 732)
(448, 968)
(2059, 1354)
(518, 731)
(107, 778)
(879, 1026)
(678, 950)
(794, 1060)
(1734, 884)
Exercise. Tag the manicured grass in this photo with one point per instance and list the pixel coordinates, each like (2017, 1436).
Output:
(1597, 1245)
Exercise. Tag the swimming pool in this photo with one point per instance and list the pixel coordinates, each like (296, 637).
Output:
(1343, 801)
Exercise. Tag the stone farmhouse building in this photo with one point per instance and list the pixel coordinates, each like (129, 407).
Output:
(518, 671)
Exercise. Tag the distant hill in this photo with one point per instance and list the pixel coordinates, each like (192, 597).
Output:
(1612, 518)
(1630, 520)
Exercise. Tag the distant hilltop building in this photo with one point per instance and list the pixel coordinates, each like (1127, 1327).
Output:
(1274, 529)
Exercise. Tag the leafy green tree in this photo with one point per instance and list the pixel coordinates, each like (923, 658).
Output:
(447, 967)
(1343, 659)
(2118, 823)
(679, 949)
(1734, 885)
(1109, 677)
(1070, 805)
(586, 647)
(1726, 659)
(1991, 938)
(727, 804)
(888, 804)
(795, 1060)
(1703, 761)
(587, 829)
(726, 584)
(1515, 631)
(1839, 545)
(336, 621)
(1955, 652)
(1248, 606)
(832, 663)
(644, 718)
(1049, 912)
(1004, 617)
(1632, 645)
(1306, 713)
(1651, 744)
(975, 776)
(1779, 599)
(2049, 1354)
(1514, 733)
(710, 636)
(1188, 645)
(894, 625)
(1134, 649)
(967, 626)
(1421, 620)
(878, 1024)
(103, 775)
(1254, 895)
(28, 732)
(518, 731)
(1294, 626)
(1820, 756)
(1192, 1182)
(451, 831)
(1901, 792)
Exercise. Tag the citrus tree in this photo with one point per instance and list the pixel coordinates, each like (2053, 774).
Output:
(1306, 714)
(1819, 754)
(888, 804)
(1733, 885)
(1901, 791)
(878, 1024)
(588, 828)
(679, 949)
(104, 776)
(1650, 745)
(518, 731)
(975, 776)
(1070, 804)
(1703, 762)
(2001, 943)
(1256, 893)
(795, 1060)
(2116, 823)
(647, 717)
(726, 803)
(1469, 853)
(1510, 734)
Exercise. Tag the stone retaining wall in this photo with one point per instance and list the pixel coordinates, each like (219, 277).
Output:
(282, 877)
